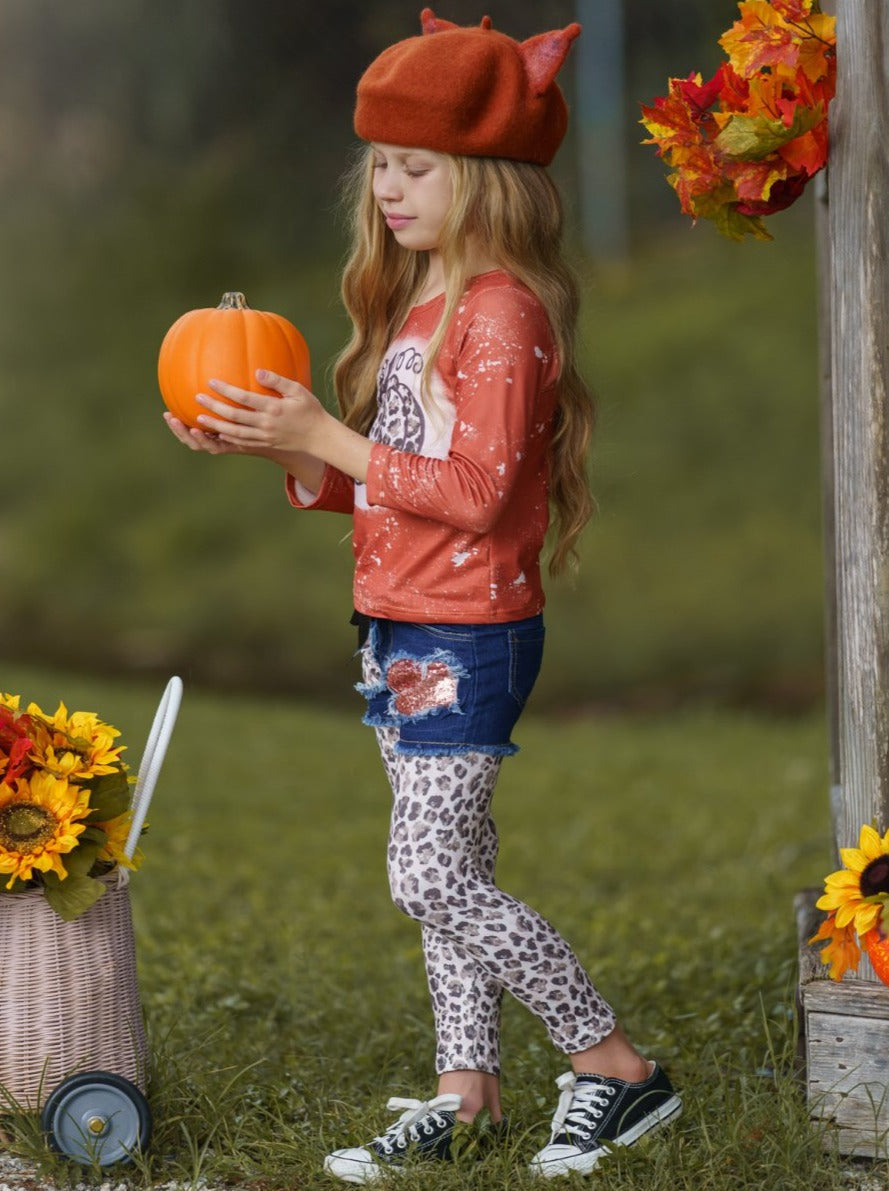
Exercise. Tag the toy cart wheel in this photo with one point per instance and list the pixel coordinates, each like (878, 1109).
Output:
(97, 1118)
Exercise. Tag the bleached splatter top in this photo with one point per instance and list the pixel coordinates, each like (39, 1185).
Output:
(450, 524)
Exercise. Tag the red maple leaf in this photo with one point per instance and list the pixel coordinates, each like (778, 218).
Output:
(701, 96)
(781, 195)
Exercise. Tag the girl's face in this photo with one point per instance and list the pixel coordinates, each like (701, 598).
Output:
(413, 190)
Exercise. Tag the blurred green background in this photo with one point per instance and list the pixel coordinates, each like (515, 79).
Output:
(156, 153)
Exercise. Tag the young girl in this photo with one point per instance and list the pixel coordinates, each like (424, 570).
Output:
(464, 419)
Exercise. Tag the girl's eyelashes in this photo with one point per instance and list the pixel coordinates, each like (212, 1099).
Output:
(411, 171)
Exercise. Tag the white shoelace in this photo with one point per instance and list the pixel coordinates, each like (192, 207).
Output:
(577, 1103)
(406, 1129)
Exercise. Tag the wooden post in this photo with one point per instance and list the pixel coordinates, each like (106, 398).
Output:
(859, 337)
(846, 1025)
(601, 118)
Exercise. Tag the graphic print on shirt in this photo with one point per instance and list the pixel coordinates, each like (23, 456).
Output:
(402, 420)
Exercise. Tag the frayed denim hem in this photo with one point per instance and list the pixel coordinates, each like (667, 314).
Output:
(369, 689)
(407, 748)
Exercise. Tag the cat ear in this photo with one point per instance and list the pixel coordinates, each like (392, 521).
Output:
(544, 54)
(433, 24)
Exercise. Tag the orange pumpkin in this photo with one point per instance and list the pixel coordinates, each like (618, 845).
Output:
(877, 945)
(227, 343)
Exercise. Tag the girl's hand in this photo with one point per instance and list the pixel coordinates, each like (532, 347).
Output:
(293, 430)
(197, 440)
(276, 427)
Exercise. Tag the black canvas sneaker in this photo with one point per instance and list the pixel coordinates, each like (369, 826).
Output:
(426, 1129)
(595, 1114)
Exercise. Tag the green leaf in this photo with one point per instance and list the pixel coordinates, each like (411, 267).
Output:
(755, 137)
(719, 206)
(73, 896)
(79, 861)
(736, 226)
(109, 796)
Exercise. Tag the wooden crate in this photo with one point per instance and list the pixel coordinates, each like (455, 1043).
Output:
(844, 1044)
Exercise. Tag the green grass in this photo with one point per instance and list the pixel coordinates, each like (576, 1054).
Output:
(285, 996)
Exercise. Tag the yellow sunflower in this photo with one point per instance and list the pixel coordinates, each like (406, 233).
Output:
(858, 893)
(39, 824)
(79, 746)
(117, 830)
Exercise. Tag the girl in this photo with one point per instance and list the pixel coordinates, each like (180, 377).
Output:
(464, 418)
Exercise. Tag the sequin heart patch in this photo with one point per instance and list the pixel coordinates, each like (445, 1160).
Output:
(420, 687)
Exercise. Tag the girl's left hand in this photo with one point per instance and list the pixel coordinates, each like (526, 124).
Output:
(272, 426)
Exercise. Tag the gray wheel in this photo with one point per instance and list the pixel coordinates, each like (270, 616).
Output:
(97, 1119)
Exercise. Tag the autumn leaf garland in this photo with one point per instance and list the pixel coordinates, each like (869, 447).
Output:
(745, 143)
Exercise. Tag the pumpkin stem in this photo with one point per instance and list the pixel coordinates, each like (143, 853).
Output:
(232, 300)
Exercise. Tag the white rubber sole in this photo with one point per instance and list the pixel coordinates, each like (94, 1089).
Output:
(584, 1163)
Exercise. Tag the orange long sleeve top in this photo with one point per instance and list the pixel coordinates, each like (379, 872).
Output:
(450, 523)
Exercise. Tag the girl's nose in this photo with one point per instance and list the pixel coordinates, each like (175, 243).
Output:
(386, 185)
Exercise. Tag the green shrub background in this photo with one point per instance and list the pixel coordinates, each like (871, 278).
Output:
(125, 553)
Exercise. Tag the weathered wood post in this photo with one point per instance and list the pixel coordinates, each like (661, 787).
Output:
(846, 1025)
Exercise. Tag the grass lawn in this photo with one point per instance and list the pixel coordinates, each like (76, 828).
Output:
(285, 995)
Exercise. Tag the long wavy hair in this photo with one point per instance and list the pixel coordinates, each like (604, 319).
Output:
(514, 211)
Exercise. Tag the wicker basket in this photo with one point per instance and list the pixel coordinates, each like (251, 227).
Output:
(69, 998)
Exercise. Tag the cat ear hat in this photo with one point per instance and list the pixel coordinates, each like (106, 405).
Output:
(471, 92)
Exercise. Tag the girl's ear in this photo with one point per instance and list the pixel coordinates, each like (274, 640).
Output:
(544, 54)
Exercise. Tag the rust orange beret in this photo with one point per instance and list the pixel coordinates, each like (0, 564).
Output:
(468, 91)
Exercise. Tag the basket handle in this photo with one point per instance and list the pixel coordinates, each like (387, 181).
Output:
(153, 759)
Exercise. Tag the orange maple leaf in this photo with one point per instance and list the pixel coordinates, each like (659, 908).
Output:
(817, 55)
(672, 122)
(841, 951)
(807, 153)
(696, 174)
(761, 38)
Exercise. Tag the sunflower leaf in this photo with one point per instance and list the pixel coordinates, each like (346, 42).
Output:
(79, 862)
(73, 896)
(109, 796)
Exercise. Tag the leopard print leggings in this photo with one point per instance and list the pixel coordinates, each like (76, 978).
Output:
(477, 940)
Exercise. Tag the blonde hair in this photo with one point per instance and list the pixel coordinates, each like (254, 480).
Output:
(513, 209)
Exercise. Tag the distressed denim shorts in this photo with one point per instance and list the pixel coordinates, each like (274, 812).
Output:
(450, 688)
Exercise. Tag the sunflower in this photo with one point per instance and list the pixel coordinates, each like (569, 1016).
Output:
(858, 893)
(77, 746)
(39, 823)
(117, 832)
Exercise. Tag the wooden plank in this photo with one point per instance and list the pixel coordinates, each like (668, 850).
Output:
(852, 998)
(828, 522)
(859, 286)
(847, 1061)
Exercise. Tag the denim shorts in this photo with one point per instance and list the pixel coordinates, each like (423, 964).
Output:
(450, 688)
